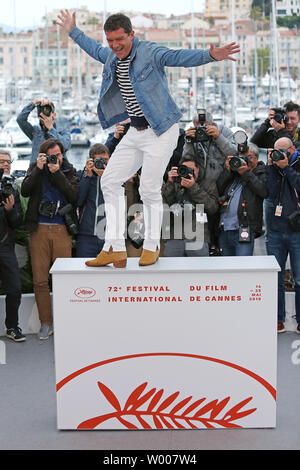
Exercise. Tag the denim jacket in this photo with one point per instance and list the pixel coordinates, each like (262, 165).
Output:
(37, 135)
(147, 76)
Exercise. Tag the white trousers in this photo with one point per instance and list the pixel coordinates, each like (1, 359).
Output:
(137, 149)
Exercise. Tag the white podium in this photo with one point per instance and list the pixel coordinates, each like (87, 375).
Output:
(187, 343)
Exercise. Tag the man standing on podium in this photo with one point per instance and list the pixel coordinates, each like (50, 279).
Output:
(134, 85)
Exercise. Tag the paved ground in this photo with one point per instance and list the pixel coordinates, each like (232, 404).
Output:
(28, 409)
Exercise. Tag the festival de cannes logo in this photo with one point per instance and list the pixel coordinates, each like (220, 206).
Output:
(85, 292)
(181, 391)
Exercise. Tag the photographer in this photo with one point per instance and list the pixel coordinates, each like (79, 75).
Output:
(242, 189)
(184, 191)
(47, 128)
(283, 183)
(209, 145)
(91, 204)
(52, 187)
(281, 122)
(11, 217)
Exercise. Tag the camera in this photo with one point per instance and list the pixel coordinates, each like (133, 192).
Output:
(126, 127)
(46, 110)
(241, 139)
(200, 134)
(277, 155)
(70, 218)
(280, 115)
(99, 163)
(6, 186)
(136, 230)
(48, 209)
(51, 159)
(184, 171)
(237, 161)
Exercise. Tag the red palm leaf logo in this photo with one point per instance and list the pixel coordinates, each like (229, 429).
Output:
(154, 411)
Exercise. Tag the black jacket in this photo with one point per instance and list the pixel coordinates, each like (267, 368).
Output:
(204, 192)
(283, 187)
(265, 136)
(253, 193)
(65, 179)
(9, 221)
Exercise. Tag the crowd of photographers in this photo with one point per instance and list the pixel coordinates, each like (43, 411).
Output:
(218, 198)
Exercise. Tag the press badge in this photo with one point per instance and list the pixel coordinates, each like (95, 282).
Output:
(278, 210)
(201, 217)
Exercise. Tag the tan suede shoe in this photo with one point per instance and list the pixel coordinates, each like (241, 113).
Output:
(148, 257)
(117, 258)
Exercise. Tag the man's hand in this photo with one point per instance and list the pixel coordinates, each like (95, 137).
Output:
(119, 130)
(282, 163)
(47, 121)
(188, 182)
(224, 52)
(277, 126)
(67, 21)
(41, 160)
(269, 159)
(54, 167)
(41, 101)
(190, 133)
(227, 166)
(212, 131)
(172, 174)
(89, 166)
(9, 203)
(242, 169)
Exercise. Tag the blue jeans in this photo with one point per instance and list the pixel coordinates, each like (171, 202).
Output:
(230, 245)
(281, 244)
(88, 246)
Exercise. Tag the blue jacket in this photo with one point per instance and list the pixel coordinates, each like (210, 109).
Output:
(37, 135)
(147, 76)
(289, 180)
(91, 205)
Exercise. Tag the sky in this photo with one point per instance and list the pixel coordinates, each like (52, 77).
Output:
(30, 12)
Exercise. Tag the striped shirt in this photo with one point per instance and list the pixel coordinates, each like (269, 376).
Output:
(127, 92)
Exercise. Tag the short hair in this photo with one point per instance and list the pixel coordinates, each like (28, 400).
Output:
(291, 106)
(5, 152)
(187, 158)
(253, 148)
(117, 21)
(49, 144)
(98, 149)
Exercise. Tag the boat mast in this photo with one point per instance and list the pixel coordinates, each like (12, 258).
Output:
(233, 68)
(194, 69)
(274, 34)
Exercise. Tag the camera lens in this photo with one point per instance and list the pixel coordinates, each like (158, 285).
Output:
(235, 163)
(99, 163)
(277, 155)
(52, 159)
(47, 110)
(184, 171)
